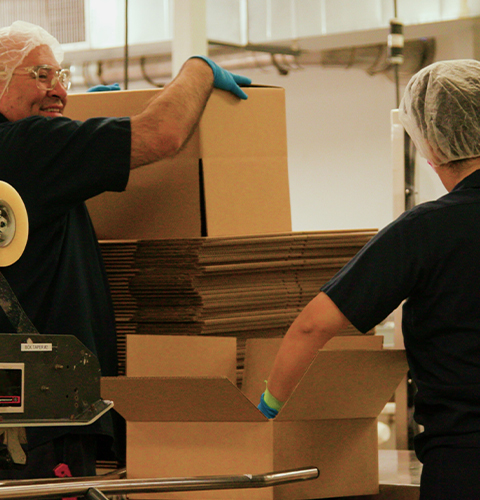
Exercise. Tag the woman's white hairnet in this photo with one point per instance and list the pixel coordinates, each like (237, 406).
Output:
(16, 41)
(440, 110)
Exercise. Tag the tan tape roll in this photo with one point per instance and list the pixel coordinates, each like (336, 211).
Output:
(13, 225)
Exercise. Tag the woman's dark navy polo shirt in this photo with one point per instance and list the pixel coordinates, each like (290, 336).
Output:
(429, 257)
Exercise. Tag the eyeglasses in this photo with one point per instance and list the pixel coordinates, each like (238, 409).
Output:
(47, 76)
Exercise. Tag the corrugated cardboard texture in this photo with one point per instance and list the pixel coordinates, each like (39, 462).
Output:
(200, 449)
(345, 452)
(175, 356)
(242, 149)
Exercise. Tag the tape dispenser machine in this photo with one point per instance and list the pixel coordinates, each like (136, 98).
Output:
(45, 380)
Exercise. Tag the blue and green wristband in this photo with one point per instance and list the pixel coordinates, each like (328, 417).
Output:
(269, 404)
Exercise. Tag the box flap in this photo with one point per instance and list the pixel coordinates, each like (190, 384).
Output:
(260, 355)
(155, 192)
(181, 356)
(346, 384)
(355, 342)
(179, 399)
(174, 214)
(86, 105)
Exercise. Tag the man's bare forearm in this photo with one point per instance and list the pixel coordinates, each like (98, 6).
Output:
(169, 120)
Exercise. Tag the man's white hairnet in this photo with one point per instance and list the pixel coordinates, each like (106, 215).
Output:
(440, 110)
(16, 41)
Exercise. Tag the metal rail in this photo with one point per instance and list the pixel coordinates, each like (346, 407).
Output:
(97, 488)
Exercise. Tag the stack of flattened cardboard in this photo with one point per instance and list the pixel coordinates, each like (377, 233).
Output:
(242, 286)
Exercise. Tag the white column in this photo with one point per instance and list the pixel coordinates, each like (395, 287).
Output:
(189, 31)
(398, 164)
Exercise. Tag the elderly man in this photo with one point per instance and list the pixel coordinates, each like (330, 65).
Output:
(55, 164)
(429, 257)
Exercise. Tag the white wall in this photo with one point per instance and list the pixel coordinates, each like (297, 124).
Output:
(338, 126)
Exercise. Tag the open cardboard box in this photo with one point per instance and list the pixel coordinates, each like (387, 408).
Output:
(231, 179)
(182, 426)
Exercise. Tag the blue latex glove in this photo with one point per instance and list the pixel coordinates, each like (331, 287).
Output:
(265, 409)
(223, 79)
(104, 88)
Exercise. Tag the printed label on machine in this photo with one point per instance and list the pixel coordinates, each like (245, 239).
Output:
(34, 346)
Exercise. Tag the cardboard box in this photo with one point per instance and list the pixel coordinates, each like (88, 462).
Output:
(204, 425)
(231, 178)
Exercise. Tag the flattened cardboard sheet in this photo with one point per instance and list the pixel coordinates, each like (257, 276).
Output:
(243, 286)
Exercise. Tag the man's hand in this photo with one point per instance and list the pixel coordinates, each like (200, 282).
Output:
(165, 125)
(225, 80)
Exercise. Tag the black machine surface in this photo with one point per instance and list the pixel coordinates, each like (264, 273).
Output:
(48, 380)
(45, 380)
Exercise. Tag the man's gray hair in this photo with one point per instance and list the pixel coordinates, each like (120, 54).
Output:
(16, 41)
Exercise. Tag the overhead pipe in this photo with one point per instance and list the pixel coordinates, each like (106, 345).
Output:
(157, 69)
